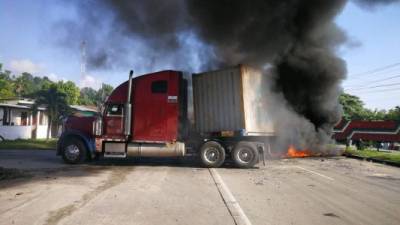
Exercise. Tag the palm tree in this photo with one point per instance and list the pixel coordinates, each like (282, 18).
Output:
(56, 103)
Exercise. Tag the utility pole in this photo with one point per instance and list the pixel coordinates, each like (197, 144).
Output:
(83, 60)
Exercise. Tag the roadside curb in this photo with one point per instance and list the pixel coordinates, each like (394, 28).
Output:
(372, 160)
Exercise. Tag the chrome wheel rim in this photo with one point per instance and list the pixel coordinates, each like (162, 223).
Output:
(72, 152)
(212, 155)
(245, 155)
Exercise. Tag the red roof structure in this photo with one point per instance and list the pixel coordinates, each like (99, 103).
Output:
(382, 130)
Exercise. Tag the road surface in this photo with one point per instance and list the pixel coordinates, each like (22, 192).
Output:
(295, 191)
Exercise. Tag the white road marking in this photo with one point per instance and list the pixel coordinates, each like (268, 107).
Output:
(233, 206)
(313, 172)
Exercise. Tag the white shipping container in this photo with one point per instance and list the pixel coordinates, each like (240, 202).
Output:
(231, 99)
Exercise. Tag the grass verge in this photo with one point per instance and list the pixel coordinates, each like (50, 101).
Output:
(393, 157)
(29, 144)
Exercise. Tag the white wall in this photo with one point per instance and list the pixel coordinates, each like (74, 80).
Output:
(41, 131)
(15, 132)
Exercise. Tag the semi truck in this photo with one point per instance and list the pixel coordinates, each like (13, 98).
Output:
(217, 116)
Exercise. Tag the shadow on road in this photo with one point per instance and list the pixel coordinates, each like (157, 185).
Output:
(26, 166)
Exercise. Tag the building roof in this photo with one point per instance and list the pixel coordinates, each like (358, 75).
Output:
(19, 106)
(84, 108)
(27, 104)
(383, 130)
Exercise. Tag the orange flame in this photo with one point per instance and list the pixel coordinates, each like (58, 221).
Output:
(295, 153)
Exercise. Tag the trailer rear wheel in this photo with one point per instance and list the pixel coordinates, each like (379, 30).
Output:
(73, 151)
(212, 154)
(245, 155)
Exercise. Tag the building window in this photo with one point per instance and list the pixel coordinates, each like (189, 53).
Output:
(160, 86)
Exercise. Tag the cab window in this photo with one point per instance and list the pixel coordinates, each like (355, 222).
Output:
(159, 86)
(115, 110)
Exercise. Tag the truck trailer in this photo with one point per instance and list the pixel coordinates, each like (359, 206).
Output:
(214, 115)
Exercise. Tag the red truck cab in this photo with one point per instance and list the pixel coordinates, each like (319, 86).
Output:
(155, 109)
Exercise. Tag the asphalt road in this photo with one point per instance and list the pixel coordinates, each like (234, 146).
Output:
(295, 191)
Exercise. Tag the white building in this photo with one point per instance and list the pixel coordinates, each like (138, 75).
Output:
(17, 121)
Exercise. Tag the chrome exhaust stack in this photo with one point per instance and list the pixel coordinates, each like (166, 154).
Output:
(128, 108)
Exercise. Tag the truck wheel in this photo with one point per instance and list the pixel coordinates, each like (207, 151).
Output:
(245, 155)
(73, 151)
(212, 154)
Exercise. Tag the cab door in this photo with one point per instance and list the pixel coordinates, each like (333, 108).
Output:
(114, 121)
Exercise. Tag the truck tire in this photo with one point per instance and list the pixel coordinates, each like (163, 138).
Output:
(73, 151)
(212, 154)
(245, 155)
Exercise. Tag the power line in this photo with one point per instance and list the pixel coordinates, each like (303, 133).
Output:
(371, 87)
(374, 70)
(374, 81)
(378, 91)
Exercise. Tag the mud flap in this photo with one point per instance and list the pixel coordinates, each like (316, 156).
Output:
(261, 151)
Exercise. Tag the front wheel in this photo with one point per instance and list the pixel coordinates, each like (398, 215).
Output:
(73, 151)
(212, 154)
(245, 155)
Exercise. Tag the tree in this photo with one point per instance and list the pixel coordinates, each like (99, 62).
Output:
(353, 107)
(6, 89)
(393, 114)
(6, 85)
(104, 92)
(24, 85)
(70, 90)
(88, 96)
(56, 103)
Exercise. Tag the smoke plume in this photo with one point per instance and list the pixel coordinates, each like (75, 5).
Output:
(292, 41)
(369, 4)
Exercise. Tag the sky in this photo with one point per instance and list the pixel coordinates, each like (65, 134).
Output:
(29, 42)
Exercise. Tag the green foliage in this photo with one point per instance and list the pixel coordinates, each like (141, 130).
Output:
(372, 154)
(89, 96)
(353, 109)
(29, 144)
(104, 92)
(55, 102)
(6, 89)
(27, 85)
(70, 90)
(394, 114)
(6, 84)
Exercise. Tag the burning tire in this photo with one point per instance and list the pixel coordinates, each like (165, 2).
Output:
(212, 154)
(245, 155)
(73, 151)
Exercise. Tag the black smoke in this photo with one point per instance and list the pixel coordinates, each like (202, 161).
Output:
(370, 4)
(295, 39)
